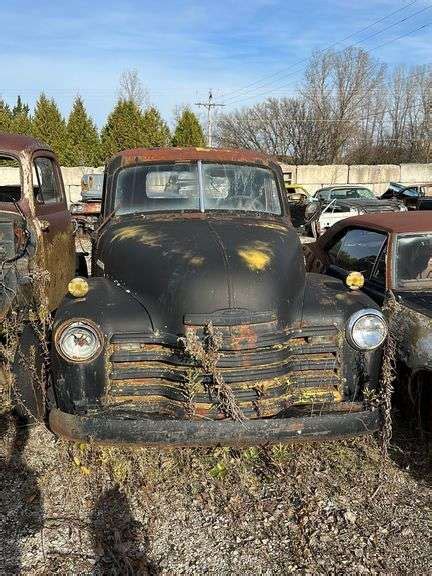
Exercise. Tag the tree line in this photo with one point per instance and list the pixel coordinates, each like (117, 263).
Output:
(349, 108)
(77, 141)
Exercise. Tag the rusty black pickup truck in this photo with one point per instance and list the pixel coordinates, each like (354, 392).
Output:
(199, 325)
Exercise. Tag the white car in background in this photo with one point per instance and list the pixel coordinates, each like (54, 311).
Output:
(333, 203)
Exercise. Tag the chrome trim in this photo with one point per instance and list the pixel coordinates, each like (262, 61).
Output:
(76, 322)
(354, 318)
(201, 186)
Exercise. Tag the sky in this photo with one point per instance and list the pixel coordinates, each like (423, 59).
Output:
(244, 51)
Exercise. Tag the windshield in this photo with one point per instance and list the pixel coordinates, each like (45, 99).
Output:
(168, 187)
(414, 261)
(344, 193)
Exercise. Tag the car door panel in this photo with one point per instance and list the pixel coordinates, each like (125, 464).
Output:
(58, 249)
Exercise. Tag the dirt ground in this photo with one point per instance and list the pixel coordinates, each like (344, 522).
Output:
(329, 508)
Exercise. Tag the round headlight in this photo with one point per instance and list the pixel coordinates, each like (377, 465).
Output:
(79, 341)
(366, 329)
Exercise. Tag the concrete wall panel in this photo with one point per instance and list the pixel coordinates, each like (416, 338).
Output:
(416, 173)
(322, 175)
(376, 177)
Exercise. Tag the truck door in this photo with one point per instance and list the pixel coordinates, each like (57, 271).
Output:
(58, 247)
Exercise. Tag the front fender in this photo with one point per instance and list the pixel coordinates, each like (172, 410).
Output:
(327, 301)
(412, 332)
(114, 311)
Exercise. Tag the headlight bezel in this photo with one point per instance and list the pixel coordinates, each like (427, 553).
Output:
(354, 319)
(83, 323)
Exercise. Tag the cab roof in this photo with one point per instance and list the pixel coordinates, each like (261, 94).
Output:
(190, 154)
(16, 143)
(394, 222)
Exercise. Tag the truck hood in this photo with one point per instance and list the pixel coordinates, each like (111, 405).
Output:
(202, 267)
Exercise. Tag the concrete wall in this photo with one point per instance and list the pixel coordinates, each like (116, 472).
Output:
(376, 177)
(72, 180)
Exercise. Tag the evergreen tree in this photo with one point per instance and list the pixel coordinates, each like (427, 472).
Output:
(5, 117)
(155, 128)
(21, 120)
(82, 139)
(188, 131)
(20, 108)
(124, 129)
(49, 126)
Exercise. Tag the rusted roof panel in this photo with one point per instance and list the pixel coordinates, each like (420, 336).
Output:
(16, 143)
(394, 222)
(192, 154)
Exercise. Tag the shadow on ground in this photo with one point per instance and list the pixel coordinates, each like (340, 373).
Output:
(411, 450)
(18, 486)
(117, 538)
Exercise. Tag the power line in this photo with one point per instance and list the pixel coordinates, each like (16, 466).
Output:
(210, 105)
(358, 44)
(266, 92)
(259, 81)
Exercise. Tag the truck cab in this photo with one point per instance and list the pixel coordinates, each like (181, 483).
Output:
(199, 325)
(36, 230)
(37, 261)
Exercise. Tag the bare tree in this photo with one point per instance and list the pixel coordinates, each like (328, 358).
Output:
(349, 109)
(131, 89)
(340, 88)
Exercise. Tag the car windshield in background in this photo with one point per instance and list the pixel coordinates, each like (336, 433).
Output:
(414, 261)
(345, 194)
(176, 187)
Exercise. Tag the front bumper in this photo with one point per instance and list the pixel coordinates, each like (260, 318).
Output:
(111, 430)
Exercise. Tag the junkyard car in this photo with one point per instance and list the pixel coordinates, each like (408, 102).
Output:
(298, 199)
(199, 325)
(415, 197)
(394, 253)
(37, 254)
(86, 213)
(334, 203)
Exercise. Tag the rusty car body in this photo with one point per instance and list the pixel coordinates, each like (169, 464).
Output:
(334, 203)
(36, 224)
(414, 196)
(394, 253)
(85, 213)
(199, 325)
(37, 254)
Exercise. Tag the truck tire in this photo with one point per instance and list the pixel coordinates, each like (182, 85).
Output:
(29, 377)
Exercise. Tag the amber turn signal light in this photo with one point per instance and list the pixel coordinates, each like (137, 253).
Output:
(78, 287)
(355, 280)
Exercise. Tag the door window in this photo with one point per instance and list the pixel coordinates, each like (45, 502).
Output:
(47, 189)
(357, 250)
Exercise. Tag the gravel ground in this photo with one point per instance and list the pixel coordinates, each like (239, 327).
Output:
(330, 508)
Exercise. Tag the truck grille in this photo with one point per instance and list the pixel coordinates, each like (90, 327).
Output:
(268, 372)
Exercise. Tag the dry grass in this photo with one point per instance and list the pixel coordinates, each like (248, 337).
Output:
(336, 507)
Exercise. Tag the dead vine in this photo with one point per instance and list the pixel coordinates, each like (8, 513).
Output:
(388, 375)
(206, 354)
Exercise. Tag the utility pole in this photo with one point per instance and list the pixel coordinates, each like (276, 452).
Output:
(209, 105)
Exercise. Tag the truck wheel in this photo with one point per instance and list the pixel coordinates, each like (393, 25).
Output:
(29, 377)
